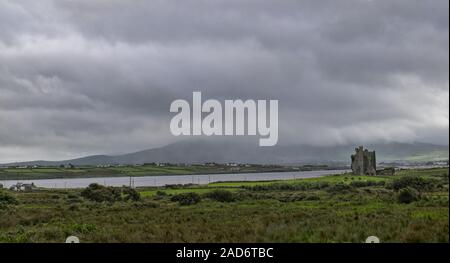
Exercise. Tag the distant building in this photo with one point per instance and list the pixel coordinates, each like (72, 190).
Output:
(386, 171)
(363, 162)
(23, 187)
(67, 166)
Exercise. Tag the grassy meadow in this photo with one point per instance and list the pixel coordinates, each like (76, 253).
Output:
(411, 206)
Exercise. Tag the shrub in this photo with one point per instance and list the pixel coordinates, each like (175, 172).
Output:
(221, 195)
(7, 199)
(161, 193)
(415, 182)
(99, 193)
(186, 198)
(292, 197)
(81, 228)
(358, 184)
(131, 194)
(74, 207)
(312, 197)
(72, 196)
(145, 204)
(339, 188)
(319, 185)
(407, 195)
(299, 197)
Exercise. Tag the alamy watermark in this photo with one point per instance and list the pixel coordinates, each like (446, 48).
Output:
(228, 120)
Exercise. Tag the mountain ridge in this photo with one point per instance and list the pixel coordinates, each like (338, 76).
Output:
(201, 151)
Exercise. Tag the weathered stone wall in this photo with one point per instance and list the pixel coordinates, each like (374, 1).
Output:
(363, 162)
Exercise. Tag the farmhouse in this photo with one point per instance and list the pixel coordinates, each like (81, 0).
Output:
(23, 187)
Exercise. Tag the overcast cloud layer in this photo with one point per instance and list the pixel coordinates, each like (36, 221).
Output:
(88, 77)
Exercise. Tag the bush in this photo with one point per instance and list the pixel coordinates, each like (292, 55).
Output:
(186, 198)
(407, 195)
(339, 188)
(161, 193)
(312, 197)
(145, 204)
(416, 182)
(7, 199)
(292, 197)
(99, 193)
(359, 184)
(221, 195)
(131, 194)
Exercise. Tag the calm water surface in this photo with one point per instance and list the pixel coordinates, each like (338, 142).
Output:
(170, 179)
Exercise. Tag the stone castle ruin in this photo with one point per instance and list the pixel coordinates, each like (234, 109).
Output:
(363, 162)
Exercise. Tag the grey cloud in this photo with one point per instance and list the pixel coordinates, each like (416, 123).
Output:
(81, 77)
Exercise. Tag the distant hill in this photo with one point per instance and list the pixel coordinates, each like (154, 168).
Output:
(241, 151)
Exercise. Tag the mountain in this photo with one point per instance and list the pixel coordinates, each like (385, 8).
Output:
(243, 151)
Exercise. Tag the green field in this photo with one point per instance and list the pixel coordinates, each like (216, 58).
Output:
(411, 206)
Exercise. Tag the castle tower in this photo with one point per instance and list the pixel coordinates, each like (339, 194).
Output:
(363, 162)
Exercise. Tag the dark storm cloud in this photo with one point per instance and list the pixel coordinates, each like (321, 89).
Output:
(83, 77)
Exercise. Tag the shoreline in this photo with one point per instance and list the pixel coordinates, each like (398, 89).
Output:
(149, 181)
(38, 177)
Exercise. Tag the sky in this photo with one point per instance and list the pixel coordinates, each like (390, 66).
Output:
(98, 76)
